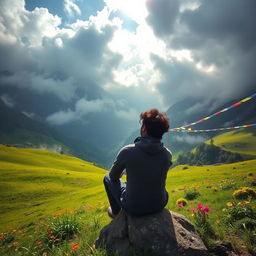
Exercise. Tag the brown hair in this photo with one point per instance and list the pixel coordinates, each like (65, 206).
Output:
(156, 123)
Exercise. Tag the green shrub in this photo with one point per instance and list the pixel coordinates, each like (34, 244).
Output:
(63, 227)
(252, 182)
(7, 238)
(191, 194)
(238, 212)
(228, 185)
(245, 193)
(245, 224)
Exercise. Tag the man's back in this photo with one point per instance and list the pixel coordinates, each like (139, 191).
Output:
(146, 163)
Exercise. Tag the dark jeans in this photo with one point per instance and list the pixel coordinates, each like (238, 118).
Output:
(114, 191)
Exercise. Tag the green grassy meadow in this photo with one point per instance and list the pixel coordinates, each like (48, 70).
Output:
(240, 141)
(36, 183)
(37, 187)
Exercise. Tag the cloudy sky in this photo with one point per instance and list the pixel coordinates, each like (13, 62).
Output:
(96, 64)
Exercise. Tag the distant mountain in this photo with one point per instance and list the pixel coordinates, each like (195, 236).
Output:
(241, 141)
(20, 130)
(205, 154)
(189, 110)
(229, 147)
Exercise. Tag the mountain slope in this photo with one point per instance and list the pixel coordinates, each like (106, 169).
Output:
(18, 129)
(242, 141)
(35, 183)
(228, 147)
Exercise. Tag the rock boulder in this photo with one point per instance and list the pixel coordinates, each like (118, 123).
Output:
(163, 234)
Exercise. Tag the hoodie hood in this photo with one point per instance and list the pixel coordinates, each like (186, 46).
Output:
(149, 145)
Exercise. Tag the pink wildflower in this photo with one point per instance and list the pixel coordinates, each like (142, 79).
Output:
(199, 206)
(207, 209)
(192, 209)
(180, 205)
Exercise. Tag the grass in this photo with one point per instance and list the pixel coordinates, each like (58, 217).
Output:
(208, 180)
(35, 183)
(39, 187)
(240, 141)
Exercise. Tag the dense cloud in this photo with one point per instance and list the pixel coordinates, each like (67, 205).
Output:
(182, 79)
(73, 64)
(162, 16)
(84, 107)
(220, 38)
(77, 75)
(71, 8)
(63, 63)
(197, 139)
(24, 27)
(223, 21)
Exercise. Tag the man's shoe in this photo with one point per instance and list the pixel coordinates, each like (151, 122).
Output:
(110, 213)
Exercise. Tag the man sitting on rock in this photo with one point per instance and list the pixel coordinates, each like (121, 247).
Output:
(146, 163)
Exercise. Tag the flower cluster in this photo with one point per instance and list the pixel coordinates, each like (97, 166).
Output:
(201, 208)
(244, 193)
(237, 211)
(200, 213)
(181, 202)
(227, 184)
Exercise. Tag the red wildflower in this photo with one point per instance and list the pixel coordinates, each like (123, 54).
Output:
(75, 247)
(39, 242)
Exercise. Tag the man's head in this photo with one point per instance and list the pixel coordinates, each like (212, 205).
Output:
(154, 123)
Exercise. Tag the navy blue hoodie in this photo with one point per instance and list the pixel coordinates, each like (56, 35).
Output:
(146, 163)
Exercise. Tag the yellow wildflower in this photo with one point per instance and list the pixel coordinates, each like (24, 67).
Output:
(230, 204)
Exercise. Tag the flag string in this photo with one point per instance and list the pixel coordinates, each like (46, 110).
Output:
(215, 129)
(183, 128)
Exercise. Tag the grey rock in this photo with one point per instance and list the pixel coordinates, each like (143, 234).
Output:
(163, 234)
(222, 248)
